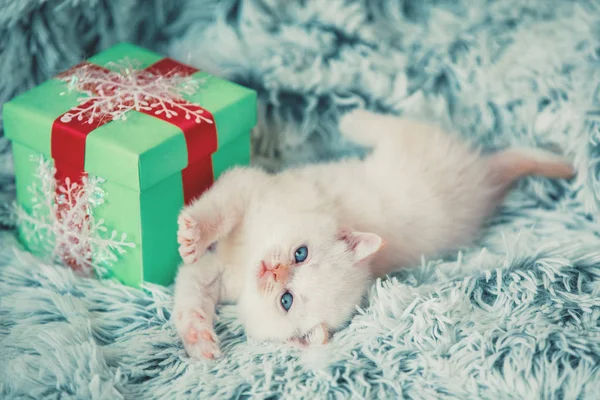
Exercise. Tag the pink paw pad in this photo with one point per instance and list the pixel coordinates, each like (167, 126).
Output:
(191, 336)
(207, 336)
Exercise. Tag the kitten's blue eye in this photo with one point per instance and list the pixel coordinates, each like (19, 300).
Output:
(286, 301)
(301, 254)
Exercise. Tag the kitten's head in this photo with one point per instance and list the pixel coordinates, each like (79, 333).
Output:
(305, 278)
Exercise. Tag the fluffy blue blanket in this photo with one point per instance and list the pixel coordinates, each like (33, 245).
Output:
(516, 316)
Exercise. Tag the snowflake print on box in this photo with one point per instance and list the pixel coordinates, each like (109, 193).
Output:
(111, 94)
(62, 228)
(151, 126)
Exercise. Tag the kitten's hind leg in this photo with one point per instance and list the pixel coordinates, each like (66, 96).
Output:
(217, 212)
(387, 133)
(197, 290)
(366, 128)
(508, 166)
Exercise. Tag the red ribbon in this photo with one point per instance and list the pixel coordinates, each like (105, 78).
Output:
(68, 138)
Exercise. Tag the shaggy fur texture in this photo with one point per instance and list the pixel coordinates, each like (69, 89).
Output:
(515, 316)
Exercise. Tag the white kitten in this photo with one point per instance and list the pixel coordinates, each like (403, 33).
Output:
(297, 250)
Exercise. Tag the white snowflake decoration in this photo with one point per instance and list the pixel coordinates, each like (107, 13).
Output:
(65, 231)
(113, 93)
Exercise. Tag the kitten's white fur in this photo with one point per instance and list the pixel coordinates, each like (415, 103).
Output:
(421, 190)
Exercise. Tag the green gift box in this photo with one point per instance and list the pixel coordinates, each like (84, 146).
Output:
(157, 131)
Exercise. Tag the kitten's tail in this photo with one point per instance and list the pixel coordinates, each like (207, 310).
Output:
(507, 166)
(374, 130)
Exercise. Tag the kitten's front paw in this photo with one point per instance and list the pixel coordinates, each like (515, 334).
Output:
(189, 238)
(198, 336)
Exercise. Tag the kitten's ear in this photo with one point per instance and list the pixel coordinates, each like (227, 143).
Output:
(319, 335)
(362, 244)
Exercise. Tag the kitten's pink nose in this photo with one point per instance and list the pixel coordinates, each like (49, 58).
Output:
(279, 272)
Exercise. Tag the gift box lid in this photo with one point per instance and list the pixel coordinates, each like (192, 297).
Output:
(143, 148)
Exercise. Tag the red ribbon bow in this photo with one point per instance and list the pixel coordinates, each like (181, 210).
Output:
(68, 138)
